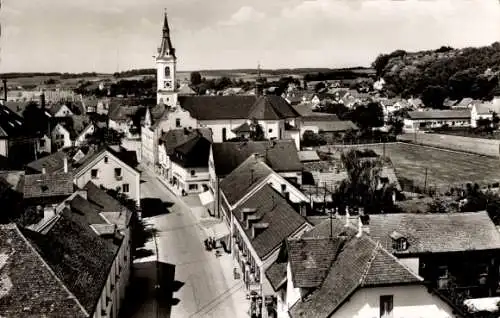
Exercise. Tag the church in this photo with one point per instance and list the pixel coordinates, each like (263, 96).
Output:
(227, 117)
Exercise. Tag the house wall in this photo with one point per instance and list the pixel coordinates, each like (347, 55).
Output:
(4, 147)
(296, 196)
(64, 111)
(289, 297)
(412, 301)
(183, 175)
(147, 146)
(61, 137)
(106, 177)
(44, 144)
(169, 121)
(411, 125)
(273, 128)
(218, 125)
(83, 136)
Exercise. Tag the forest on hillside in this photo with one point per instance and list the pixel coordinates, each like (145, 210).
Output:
(442, 73)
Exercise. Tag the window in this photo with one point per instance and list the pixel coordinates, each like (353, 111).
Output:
(167, 71)
(443, 275)
(193, 187)
(193, 173)
(118, 172)
(42, 143)
(126, 187)
(283, 187)
(106, 159)
(93, 173)
(224, 137)
(400, 244)
(270, 130)
(386, 305)
(177, 122)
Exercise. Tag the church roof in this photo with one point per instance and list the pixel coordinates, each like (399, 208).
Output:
(166, 48)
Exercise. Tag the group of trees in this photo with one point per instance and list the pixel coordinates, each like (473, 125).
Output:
(142, 88)
(339, 74)
(437, 75)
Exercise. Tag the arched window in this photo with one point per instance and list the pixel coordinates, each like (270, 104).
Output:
(167, 71)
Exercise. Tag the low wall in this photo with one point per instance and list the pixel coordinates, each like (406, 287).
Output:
(481, 146)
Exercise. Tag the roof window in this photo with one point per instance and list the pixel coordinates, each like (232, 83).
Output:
(399, 241)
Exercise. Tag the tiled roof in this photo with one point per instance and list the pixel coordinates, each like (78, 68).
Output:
(276, 274)
(29, 287)
(361, 262)
(316, 116)
(437, 233)
(275, 211)
(310, 259)
(47, 185)
(243, 128)
(308, 155)
(99, 197)
(306, 110)
(11, 124)
(440, 114)
(192, 153)
(176, 137)
(281, 155)
(120, 112)
(268, 107)
(186, 90)
(244, 178)
(52, 163)
(79, 257)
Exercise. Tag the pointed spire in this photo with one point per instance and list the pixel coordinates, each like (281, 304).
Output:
(166, 48)
(147, 118)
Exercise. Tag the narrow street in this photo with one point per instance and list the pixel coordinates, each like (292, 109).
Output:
(189, 281)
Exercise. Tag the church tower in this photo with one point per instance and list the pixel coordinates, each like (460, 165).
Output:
(166, 69)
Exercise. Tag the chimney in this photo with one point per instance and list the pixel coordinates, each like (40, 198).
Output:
(363, 223)
(347, 217)
(65, 164)
(4, 89)
(258, 228)
(44, 171)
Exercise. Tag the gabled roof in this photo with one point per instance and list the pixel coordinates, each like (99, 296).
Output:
(78, 256)
(192, 153)
(360, 262)
(437, 233)
(176, 137)
(52, 163)
(244, 178)
(100, 198)
(277, 213)
(186, 90)
(308, 155)
(11, 124)
(276, 274)
(32, 288)
(120, 113)
(281, 155)
(267, 107)
(57, 107)
(90, 161)
(47, 185)
(440, 114)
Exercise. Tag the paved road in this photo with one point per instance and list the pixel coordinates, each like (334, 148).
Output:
(195, 283)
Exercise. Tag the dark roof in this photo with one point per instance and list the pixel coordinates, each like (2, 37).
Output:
(192, 153)
(47, 185)
(276, 274)
(52, 163)
(34, 289)
(274, 210)
(6, 164)
(320, 117)
(129, 158)
(120, 112)
(267, 107)
(440, 114)
(244, 178)
(11, 124)
(437, 233)
(361, 262)
(78, 256)
(176, 137)
(100, 198)
(282, 155)
(17, 107)
(310, 259)
(243, 128)
(335, 126)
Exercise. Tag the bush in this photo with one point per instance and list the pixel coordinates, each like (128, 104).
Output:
(311, 139)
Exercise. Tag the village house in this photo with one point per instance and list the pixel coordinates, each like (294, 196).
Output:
(326, 124)
(279, 155)
(59, 110)
(49, 164)
(183, 159)
(423, 120)
(251, 175)
(121, 119)
(485, 110)
(259, 225)
(105, 168)
(337, 270)
(46, 189)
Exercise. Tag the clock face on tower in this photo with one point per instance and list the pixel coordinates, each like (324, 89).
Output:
(167, 84)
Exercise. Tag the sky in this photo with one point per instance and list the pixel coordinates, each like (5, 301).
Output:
(111, 35)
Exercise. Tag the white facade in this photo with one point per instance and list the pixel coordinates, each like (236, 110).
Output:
(124, 126)
(412, 125)
(4, 147)
(110, 172)
(82, 137)
(44, 144)
(61, 137)
(64, 111)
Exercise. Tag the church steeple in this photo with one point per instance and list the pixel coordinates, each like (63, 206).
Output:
(166, 48)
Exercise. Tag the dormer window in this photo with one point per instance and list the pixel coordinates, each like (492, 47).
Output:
(399, 242)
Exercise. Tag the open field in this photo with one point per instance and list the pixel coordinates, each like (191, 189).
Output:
(445, 168)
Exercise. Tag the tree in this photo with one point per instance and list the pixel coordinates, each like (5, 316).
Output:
(380, 63)
(369, 116)
(195, 78)
(319, 86)
(35, 120)
(434, 96)
(105, 136)
(311, 139)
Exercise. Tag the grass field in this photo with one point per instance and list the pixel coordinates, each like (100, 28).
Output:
(444, 168)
